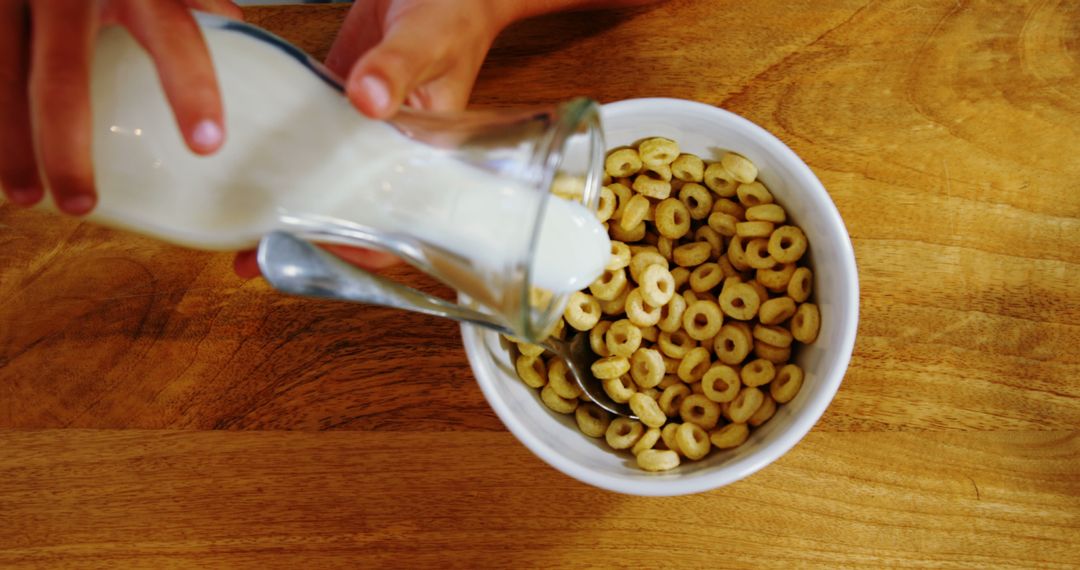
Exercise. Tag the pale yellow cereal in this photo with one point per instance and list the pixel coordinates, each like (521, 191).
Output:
(592, 420)
(776, 311)
(787, 244)
(800, 284)
(774, 335)
(700, 410)
(610, 367)
(619, 389)
(786, 385)
(693, 441)
(559, 380)
(719, 180)
(643, 259)
(764, 412)
(732, 344)
(694, 365)
(647, 441)
(754, 194)
(729, 436)
(766, 213)
(647, 410)
(739, 301)
(688, 168)
(623, 433)
(692, 254)
(657, 285)
(622, 162)
(744, 405)
(702, 320)
(531, 370)
(721, 383)
(658, 460)
(634, 212)
(776, 278)
(672, 218)
(647, 368)
(651, 187)
(582, 312)
(698, 200)
(597, 340)
(751, 230)
(557, 403)
(740, 167)
(757, 373)
(658, 150)
(806, 323)
(672, 398)
(622, 338)
(675, 344)
(705, 276)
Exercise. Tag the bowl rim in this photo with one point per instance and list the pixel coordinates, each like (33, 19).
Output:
(802, 423)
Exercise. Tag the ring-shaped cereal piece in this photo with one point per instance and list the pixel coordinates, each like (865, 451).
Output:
(751, 230)
(672, 398)
(531, 370)
(806, 323)
(694, 365)
(800, 284)
(651, 187)
(634, 212)
(649, 334)
(702, 320)
(675, 344)
(698, 200)
(667, 436)
(606, 206)
(776, 278)
(705, 276)
(527, 349)
(557, 403)
(757, 373)
(731, 208)
(639, 312)
(681, 275)
(558, 380)
(715, 241)
(632, 235)
(776, 311)
(764, 412)
(622, 162)
(723, 224)
(642, 260)
(766, 213)
(693, 441)
(622, 338)
(719, 180)
(598, 340)
(729, 436)
(672, 218)
(619, 389)
(744, 405)
(592, 420)
(647, 441)
(774, 354)
(787, 244)
(609, 285)
(658, 150)
(754, 194)
(664, 245)
(699, 409)
(658, 172)
(740, 167)
(671, 314)
(736, 254)
(647, 410)
(721, 383)
(610, 367)
(762, 293)
(688, 168)
(732, 344)
(656, 460)
(620, 256)
(647, 368)
(692, 254)
(787, 383)
(657, 285)
(776, 336)
(582, 312)
(623, 193)
(671, 365)
(739, 301)
(617, 305)
(757, 254)
(623, 433)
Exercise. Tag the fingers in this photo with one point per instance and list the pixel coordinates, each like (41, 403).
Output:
(388, 72)
(63, 33)
(246, 263)
(168, 32)
(18, 168)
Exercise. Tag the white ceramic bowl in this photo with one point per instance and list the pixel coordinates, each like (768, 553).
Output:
(706, 131)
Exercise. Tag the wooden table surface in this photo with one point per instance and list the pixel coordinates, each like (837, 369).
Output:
(157, 411)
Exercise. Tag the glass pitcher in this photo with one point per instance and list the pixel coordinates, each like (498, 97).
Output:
(467, 197)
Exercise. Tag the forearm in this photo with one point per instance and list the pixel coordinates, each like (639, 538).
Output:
(514, 10)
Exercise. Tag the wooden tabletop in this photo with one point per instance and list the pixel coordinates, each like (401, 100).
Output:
(157, 411)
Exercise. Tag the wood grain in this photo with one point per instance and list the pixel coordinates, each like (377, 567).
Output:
(157, 411)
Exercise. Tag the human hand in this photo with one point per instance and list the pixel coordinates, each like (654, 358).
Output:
(46, 52)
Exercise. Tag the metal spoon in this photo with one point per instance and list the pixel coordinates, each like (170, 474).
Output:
(292, 265)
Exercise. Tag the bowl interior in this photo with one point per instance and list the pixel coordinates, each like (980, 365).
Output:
(707, 132)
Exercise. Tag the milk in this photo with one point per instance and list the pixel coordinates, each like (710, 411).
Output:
(296, 149)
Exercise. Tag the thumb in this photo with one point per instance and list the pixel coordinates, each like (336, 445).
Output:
(380, 80)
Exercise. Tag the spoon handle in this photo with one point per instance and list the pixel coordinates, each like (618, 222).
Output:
(294, 266)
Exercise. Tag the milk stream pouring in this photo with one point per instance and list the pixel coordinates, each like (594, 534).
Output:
(296, 152)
